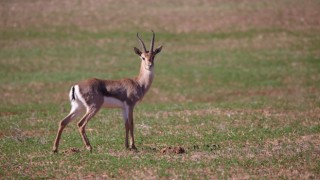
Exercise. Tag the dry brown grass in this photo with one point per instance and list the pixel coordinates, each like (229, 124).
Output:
(183, 16)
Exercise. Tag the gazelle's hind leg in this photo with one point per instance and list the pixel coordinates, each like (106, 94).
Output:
(82, 125)
(76, 109)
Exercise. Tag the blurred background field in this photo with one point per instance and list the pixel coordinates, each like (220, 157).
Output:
(237, 85)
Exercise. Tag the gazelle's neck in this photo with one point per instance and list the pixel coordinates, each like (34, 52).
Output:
(145, 77)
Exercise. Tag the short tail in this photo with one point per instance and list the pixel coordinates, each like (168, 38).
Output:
(72, 95)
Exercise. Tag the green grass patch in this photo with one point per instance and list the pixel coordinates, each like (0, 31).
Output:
(242, 102)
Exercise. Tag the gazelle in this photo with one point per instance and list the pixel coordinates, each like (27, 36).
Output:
(93, 94)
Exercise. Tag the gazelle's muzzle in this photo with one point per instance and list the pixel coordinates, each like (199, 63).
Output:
(148, 65)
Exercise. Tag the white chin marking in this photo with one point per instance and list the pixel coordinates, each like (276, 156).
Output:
(110, 102)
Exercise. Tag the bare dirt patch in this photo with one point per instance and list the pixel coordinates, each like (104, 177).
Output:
(7, 113)
(173, 150)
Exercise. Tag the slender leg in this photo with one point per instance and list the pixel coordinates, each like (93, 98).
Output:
(82, 125)
(126, 123)
(74, 113)
(127, 134)
(131, 127)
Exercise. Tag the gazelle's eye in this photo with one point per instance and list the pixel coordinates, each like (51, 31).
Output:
(142, 58)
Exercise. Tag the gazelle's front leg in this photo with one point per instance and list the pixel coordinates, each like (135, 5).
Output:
(128, 121)
(125, 113)
(131, 127)
(127, 133)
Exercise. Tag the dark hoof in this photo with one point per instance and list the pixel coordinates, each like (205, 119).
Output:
(133, 148)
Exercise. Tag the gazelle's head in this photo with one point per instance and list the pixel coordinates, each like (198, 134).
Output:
(147, 57)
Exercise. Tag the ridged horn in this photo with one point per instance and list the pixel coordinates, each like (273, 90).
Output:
(152, 42)
(141, 42)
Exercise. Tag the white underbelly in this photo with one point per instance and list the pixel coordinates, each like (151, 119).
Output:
(110, 102)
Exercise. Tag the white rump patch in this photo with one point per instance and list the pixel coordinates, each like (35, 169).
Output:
(79, 96)
(77, 105)
(76, 108)
(70, 94)
(110, 102)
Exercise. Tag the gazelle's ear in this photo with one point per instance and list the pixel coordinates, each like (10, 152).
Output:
(158, 50)
(137, 51)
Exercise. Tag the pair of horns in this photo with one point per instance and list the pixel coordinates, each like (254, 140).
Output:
(142, 44)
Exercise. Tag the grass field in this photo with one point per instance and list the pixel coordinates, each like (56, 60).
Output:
(237, 86)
